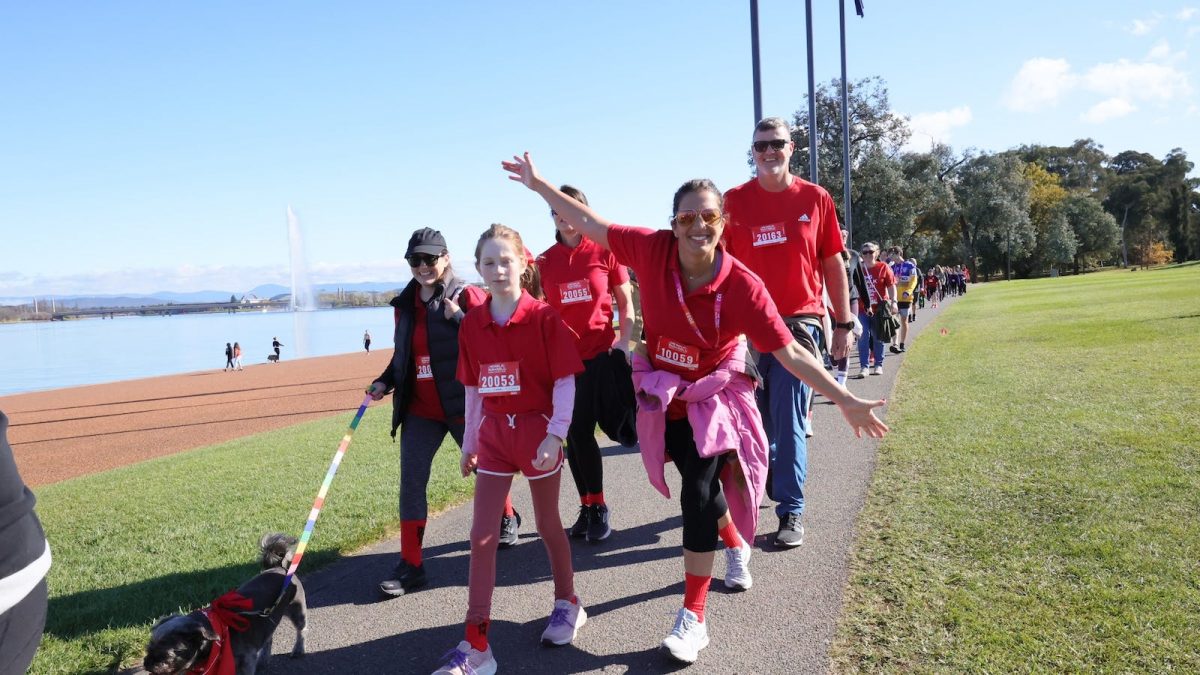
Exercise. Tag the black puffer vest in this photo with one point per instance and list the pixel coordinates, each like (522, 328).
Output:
(443, 351)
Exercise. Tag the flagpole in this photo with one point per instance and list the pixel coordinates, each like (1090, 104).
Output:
(847, 220)
(755, 65)
(812, 98)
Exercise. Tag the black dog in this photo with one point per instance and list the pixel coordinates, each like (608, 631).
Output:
(233, 634)
(273, 357)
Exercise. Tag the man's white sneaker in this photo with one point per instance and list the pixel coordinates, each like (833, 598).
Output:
(565, 621)
(466, 660)
(877, 370)
(737, 568)
(687, 638)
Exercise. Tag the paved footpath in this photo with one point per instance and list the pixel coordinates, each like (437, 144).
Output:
(631, 584)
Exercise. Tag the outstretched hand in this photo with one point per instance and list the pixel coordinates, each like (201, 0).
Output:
(859, 413)
(522, 169)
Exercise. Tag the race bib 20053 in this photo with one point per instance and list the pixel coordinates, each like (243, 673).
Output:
(768, 235)
(575, 291)
(672, 353)
(424, 370)
(500, 379)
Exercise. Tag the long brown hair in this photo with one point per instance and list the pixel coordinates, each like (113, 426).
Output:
(531, 279)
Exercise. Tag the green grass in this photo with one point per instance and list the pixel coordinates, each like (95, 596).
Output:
(1037, 505)
(170, 534)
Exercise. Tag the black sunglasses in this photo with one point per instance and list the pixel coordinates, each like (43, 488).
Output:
(418, 259)
(776, 144)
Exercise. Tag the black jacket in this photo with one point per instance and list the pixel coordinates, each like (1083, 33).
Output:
(400, 374)
(22, 540)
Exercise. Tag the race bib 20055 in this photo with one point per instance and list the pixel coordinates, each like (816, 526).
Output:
(575, 291)
(500, 379)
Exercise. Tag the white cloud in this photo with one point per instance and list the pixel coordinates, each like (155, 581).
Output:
(1039, 82)
(1108, 109)
(1186, 13)
(1143, 26)
(1142, 81)
(929, 128)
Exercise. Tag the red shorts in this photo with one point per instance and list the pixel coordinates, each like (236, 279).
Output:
(508, 444)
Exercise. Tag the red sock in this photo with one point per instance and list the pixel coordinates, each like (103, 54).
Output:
(585, 500)
(412, 532)
(508, 507)
(597, 497)
(477, 635)
(695, 594)
(730, 536)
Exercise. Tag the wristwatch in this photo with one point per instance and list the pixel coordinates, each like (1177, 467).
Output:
(849, 325)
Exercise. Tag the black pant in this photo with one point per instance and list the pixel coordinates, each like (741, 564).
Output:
(21, 631)
(700, 497)
(583, 452)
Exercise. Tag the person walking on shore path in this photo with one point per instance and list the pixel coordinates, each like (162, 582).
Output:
(583, 282)
(367, 341)
(228, 357)
(785, 229)
(237, 356)
(696, 399)
(518, 362)
(276, 344)
(428, 401)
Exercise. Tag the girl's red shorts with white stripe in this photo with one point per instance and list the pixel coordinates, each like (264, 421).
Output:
(508, 444)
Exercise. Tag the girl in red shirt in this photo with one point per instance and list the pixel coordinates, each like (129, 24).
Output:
(582, 282)
(697, 303)
(517, 361)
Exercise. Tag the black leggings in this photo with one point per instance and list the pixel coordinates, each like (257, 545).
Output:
(583, 452)
(700, 496)
(21, 631)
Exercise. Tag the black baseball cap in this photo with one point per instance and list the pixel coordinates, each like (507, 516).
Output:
(426, 240)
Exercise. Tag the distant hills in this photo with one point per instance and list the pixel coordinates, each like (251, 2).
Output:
(163, 297)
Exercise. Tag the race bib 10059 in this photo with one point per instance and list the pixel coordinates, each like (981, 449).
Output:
(677, 354)
(575, 291)
(500, 379)
(768, 235)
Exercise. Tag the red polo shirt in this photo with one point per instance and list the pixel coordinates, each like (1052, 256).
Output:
(515, 365)
(425, 399)
(578, 283)
(783, 237)
(672, 343)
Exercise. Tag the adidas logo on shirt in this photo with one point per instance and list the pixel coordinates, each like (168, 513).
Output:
(804, 218)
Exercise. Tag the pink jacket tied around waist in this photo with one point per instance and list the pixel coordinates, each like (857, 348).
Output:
(724, 417)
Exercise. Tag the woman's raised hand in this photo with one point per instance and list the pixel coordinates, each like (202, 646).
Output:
(522, 169)
(859, 413)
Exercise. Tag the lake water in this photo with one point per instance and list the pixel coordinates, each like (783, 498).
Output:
(50, 355)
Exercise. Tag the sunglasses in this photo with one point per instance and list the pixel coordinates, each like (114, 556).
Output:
(688, 218)
(867, 251)
(418, 259)
(776, 144)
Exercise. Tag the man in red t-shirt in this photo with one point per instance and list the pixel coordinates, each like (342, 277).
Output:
(786, 231)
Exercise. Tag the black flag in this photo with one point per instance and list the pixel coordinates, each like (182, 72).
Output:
(858, 7)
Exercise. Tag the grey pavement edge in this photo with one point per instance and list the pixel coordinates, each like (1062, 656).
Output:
(630, 584)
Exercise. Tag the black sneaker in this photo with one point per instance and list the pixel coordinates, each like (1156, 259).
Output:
(894, 349)
(508, 529)
(902, 349)
(598, 529)
(580, 528)
(791, 532)
(405, 579)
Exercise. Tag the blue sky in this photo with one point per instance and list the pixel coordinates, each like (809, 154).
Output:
(149, 146)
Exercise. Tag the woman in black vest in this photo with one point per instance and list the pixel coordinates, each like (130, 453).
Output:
(427, 401)
(24, 561)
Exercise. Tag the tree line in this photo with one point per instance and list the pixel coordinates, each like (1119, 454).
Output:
(1030, 209)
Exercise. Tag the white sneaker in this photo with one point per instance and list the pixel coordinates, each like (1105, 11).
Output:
(877, 370)
(687, 638)
(565, 621)
(466, 660)
(737, 568)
